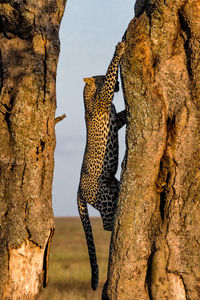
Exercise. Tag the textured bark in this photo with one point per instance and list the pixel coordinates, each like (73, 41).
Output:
(29, 49)
(155, 248)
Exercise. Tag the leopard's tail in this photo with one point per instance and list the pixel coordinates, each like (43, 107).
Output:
(83, 212)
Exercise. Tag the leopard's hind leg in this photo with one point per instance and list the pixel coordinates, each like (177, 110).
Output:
(107, 202)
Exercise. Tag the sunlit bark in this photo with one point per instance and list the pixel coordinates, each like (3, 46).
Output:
(29, 49)
(155, 249)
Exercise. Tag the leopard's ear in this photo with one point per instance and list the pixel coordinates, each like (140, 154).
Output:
(89, 80)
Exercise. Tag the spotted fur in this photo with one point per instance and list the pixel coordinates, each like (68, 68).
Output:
(98, 185)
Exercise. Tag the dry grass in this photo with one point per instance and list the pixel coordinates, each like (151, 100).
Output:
(69, 269)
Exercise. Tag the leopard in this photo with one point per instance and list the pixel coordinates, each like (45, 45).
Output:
(98, 185)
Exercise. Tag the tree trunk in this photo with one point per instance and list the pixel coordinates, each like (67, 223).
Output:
(155, 247)
(29, 49)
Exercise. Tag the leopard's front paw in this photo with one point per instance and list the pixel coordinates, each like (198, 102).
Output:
(120, 48)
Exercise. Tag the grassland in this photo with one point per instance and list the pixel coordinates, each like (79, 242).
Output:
(69, 269)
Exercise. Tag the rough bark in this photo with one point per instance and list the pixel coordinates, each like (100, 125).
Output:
(29, 49)
(155, 248)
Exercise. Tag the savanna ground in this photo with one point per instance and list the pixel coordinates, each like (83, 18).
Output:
(69, 269)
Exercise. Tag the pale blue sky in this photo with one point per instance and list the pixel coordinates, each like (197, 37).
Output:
(89, 31)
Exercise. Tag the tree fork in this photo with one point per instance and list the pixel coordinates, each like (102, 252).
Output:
(29, 50)
(155, 247)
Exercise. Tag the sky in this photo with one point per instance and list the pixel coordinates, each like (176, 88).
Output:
(89, 32)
